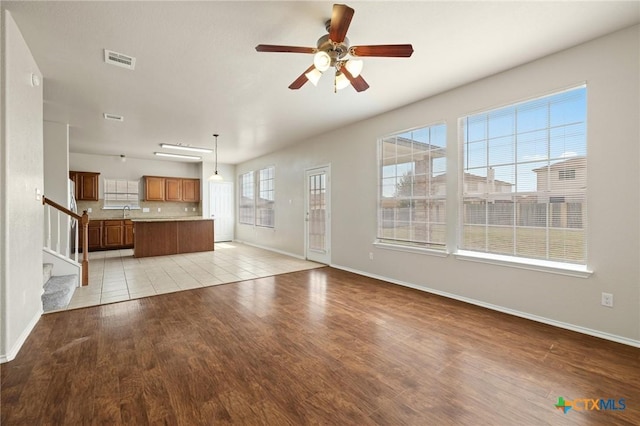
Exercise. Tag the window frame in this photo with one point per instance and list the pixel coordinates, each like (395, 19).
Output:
(424, 247)
(252, 218)
(578, 269)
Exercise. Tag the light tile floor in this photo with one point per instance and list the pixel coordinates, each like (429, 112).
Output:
(116, 275)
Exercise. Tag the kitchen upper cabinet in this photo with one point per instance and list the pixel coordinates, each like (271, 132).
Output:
(86, 184)
(158, 188)
(173, 189)
(191, 190)
(154, 188)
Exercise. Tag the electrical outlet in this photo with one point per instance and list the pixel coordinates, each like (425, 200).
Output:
(145, 210)
(89, 210)
(186, 209)
(370, 255)
(607, 300)
(159, 209)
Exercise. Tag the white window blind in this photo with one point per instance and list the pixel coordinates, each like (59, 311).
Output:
(265, 202)
(119, 193)
(524, 179)
(246, 206)
(412, 192)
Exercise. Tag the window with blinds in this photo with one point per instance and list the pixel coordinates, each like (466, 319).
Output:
(524, 179)
(119, 193)
(246, 205)
(413, 188)
(265, 202)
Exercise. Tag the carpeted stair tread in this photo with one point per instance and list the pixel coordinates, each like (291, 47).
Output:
(58, 292)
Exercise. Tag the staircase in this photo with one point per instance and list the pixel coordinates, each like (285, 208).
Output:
(58, 289)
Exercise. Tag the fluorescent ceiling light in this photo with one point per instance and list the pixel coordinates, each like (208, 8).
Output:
(185, 147)
(184, 157)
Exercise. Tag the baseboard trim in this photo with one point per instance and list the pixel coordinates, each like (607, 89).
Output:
(9, 356)
(525, 315)
(297, 256)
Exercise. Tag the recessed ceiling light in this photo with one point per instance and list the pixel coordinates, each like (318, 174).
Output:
(185, 147)
(184, 157)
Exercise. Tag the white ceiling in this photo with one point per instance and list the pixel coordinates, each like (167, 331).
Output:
(197, 72)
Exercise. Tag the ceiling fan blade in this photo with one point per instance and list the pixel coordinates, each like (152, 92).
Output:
(358, 82)
(300, 81)
(383, 50)
(340, 20)
(285, 49)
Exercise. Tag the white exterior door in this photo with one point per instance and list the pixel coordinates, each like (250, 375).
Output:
(221, 208)
(318, 215)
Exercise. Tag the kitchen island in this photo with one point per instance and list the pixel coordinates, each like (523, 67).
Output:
(159, 237)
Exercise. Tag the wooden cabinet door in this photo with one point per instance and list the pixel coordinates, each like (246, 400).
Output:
(94, 235)
(191, 190)
(113, 233)
(88, 186)
(173, 189)
(128, 233)
(153, 188)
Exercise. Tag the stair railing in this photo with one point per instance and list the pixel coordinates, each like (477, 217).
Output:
(63, 213)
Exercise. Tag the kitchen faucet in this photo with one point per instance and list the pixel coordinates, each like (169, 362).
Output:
(124, 216)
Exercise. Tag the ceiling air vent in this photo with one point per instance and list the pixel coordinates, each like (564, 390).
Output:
(113, 117)
(119, 59)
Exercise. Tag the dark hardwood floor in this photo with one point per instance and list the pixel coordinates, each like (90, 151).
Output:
(322, 346)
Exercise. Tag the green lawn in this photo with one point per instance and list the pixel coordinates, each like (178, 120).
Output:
(565, 245)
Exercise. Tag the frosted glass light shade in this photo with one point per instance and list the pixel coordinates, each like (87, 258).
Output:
(341, 81)
(314, 76)
(354, 66)
(322, 61)
(215, 177)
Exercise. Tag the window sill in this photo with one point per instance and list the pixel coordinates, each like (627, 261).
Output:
(560, 268)
(410, 249)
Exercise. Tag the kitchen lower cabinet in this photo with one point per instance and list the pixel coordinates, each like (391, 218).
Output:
(109, 234)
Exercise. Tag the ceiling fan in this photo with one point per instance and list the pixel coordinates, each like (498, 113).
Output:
(333, 50)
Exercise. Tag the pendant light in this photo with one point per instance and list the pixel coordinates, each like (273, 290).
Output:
(215, 176)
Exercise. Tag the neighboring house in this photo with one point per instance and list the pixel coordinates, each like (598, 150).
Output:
(559, 178)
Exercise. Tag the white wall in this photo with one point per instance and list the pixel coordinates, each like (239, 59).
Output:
(610, 67)
(22, 173)
(56, 161)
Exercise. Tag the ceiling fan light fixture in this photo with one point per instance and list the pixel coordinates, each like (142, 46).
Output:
(341, 81)
(354, 66)
(322, 61)
(314, 76)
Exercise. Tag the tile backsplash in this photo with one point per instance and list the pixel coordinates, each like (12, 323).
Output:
(167, 209)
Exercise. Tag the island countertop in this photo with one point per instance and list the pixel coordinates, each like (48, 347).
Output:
(169, 219)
